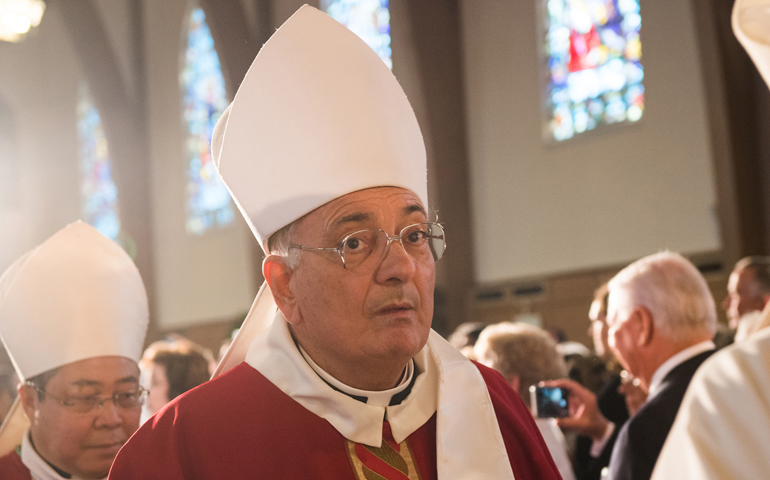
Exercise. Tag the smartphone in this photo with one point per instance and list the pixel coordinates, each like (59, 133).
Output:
(549, 402)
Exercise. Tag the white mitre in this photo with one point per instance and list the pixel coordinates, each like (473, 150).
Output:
(751, 24)
(76, 296)
(318, 115)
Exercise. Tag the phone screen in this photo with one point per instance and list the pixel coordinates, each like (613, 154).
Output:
(551, 402)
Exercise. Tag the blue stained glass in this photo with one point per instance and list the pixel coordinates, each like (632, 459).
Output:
(593, 59)
(203, 86)
(369, 19)
(99, 195)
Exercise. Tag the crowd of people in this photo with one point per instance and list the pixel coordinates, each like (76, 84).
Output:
(652, 327)
(336, 373)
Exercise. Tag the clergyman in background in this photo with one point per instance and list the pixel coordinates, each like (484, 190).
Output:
(73, 316)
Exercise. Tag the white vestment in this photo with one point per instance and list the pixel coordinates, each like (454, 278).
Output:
(748, 325)
(722, 430)
(469, 444)
(557, 446)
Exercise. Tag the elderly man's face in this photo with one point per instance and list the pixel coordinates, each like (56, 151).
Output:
(83, 444)
(371, 318)
(623, 332)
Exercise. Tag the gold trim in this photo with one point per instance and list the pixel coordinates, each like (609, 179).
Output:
(363, 473)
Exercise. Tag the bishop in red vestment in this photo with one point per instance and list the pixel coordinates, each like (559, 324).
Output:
(336, 373)
(240, 425)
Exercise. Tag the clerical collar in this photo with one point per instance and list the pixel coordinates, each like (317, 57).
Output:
(39, 468)
(382, 398)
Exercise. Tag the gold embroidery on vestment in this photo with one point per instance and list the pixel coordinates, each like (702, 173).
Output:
(402, 460)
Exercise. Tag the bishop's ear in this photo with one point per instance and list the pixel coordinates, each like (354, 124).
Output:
(29, 398)
(278, 277)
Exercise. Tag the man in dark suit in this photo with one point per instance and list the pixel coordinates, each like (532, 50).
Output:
(661, 320)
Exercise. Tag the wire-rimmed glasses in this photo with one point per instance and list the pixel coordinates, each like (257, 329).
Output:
(362, 251)
(83, 405)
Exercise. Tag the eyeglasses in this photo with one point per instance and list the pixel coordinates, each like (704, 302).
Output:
(124, 400)
(363, 251)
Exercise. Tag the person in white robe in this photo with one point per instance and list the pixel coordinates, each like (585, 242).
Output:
(722, 430)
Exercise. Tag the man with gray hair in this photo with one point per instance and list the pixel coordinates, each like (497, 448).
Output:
(661, 320)
(335, 373)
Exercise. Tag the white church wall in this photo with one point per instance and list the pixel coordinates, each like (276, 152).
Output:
(407, 70)
(38, 86)
(199, 279)
(604, 199)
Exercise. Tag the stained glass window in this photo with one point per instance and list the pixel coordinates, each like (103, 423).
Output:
(203, 87)
(594, 70)
(369, 19)
(99, 195)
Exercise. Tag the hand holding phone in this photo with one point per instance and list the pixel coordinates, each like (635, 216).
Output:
(549, 402)
(584, 415)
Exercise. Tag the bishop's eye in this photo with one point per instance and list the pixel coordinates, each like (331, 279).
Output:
(359, 242)
(353, 244)
(416, 237)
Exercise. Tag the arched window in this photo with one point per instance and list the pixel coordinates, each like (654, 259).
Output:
(203, 90)
(593, 71)
(99, 195)
(369, 19)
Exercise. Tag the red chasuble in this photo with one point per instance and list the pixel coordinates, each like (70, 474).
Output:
(240, 425)
(11, 467)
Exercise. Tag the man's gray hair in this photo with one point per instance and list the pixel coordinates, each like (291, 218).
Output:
(519, 349)
(672, 289)
(279, 243)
